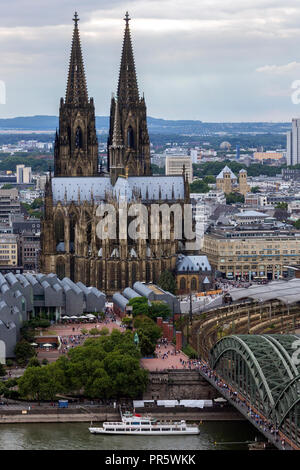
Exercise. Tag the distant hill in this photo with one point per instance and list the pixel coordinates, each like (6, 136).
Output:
(157, 126)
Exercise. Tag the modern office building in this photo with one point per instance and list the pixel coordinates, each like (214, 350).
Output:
(175, 165)
(293, 144)
(24, 174)
(9, 203)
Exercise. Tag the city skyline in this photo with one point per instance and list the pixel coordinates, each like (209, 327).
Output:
(194, 61)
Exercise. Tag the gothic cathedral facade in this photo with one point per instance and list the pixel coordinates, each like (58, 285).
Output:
(70, 245)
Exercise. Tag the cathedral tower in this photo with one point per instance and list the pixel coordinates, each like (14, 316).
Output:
(128, 142)
(76, 145)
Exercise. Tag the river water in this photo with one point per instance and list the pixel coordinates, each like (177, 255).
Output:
(229, 435)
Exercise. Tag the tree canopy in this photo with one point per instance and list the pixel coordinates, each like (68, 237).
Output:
(156, 309)
(167, 282)
(233, 198)
(103, 367)
(148, 333)
(199, 186)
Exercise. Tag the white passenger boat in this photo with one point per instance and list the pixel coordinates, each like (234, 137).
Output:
(137, 425)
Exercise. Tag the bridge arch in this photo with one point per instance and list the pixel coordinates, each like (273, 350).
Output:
(261, 369)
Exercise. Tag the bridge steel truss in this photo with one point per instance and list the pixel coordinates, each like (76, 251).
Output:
(263, 370)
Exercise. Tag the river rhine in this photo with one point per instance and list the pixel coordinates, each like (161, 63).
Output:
(72, 436)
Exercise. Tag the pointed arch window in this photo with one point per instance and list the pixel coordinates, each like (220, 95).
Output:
(60, 269)
(182, 284)
(72, 225)
(134, 273)
(130, 137)
(194, 284)
(78, 138)
(59, 228)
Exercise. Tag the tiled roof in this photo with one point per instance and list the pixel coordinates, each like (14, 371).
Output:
(150, 188)
(193, 263)
(226, 169)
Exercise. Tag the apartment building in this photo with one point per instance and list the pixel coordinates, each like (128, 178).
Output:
(8, 250)
(29, 250)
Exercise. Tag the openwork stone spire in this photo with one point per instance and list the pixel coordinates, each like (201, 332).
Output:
(117, 139)
(76, 145)
(76, 93)
(127, 87)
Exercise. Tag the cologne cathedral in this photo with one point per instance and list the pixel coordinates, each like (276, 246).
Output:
(69, 242)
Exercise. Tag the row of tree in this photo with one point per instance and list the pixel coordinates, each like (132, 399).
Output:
(213, 168)
(104, 367)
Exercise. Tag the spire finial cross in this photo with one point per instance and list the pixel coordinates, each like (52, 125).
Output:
(75, 19)
(127, 18)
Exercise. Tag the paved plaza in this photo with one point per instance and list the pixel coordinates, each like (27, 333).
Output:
(71, 336)
(166, 359)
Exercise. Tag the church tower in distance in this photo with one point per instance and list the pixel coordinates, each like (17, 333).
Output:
(128, 142)
(76, 145)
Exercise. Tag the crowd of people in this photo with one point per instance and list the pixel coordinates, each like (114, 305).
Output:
(261, 421)
(72, 341)
(226, 284)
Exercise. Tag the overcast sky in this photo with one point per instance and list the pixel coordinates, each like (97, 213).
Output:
(213, 60)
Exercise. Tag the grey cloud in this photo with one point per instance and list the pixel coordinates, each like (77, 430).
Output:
(195, 59)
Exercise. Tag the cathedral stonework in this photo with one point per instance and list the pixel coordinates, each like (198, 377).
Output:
(70, 241)
(76, 145)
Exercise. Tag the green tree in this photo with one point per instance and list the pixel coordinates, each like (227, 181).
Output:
(127, 321)
(199, 186)
(209, 179)
(297, 224)
(2, 370)
(41, 383)
(233, 198)
(149, 333)
(94, 331)
(255, 189)
(37, 203)
(103, 367)
(140, 306)
(24, 351)
(159, 309)
(104, 331)
(145, 344)
(3, 389)
(167, 282)
(281, 205)
(34, 362)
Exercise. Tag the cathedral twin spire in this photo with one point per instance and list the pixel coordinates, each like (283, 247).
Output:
(76, 92)
(76, 146)
(127, 87)
(128, 142)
